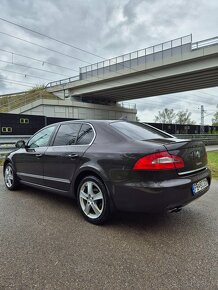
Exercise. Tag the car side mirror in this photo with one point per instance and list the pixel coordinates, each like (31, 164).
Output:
(20, 144)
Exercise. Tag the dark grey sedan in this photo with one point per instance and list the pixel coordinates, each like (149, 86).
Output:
(111, 165)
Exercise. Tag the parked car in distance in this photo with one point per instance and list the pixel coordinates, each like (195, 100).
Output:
(111, 165)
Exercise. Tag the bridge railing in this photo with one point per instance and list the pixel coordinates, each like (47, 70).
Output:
(63, 81)
(205, 43)
(12, 102)
(127, 60)
(134, 58)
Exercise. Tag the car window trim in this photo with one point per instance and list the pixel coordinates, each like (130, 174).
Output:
(81, 123)
(58, 127)
(159, 130)
(53, 135)
(92, 138)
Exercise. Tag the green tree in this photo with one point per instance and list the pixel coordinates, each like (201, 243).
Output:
(215, 118)
(167, 116)
(184, 117)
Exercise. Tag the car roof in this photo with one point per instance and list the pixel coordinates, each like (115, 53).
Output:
(89, 121)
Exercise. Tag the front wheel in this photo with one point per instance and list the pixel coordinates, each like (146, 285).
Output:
(10, 177)
(93, 200)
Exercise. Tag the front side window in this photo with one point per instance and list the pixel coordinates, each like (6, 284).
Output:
(67, 134)
(41, 139)
(86, 135)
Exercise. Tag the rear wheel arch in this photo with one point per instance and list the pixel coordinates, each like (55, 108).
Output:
(83, 174)
(93, 199)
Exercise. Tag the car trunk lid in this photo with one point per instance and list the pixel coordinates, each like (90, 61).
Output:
(192, 152)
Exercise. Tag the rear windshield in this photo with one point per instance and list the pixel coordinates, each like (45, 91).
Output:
(138, 131)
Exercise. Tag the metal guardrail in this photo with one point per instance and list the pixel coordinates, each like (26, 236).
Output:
(13, 94)
(7, 143)
(208, 139)
(10, 104)
(13, 102)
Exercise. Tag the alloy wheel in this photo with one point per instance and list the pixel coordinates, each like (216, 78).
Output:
(91, 199)
(9, 176)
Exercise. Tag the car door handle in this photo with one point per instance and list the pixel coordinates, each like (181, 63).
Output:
(72, 156)
(38, 155)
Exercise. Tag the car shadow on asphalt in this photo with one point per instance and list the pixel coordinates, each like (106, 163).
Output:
(124, 220)
(189, 218)
(141, 221)
(50, 197)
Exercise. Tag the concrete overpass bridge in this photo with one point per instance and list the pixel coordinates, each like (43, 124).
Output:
(174, 66)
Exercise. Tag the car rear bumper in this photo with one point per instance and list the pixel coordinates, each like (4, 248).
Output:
(144, 196)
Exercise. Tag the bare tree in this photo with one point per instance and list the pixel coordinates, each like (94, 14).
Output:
(167, 116)
(184, 117)
(215, 118)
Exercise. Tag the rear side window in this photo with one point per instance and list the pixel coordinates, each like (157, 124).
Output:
(137, 131)
(67, 134)
(86, 135)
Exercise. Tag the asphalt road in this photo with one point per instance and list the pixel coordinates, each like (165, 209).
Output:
(46, 244)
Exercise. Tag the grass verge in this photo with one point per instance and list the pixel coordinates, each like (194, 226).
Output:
(213, 163)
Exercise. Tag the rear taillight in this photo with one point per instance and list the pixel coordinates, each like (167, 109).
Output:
(159, 161)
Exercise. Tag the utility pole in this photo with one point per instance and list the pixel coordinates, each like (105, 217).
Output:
(202, 119)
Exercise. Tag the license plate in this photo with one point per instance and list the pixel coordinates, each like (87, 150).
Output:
(199, 186)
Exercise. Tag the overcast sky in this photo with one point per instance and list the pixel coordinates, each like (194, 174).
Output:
(106, 28)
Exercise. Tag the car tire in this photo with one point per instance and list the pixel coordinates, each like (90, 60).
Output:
(10, 177)
(93, 200)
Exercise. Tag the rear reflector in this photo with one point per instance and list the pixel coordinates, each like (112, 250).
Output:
(159, 161)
